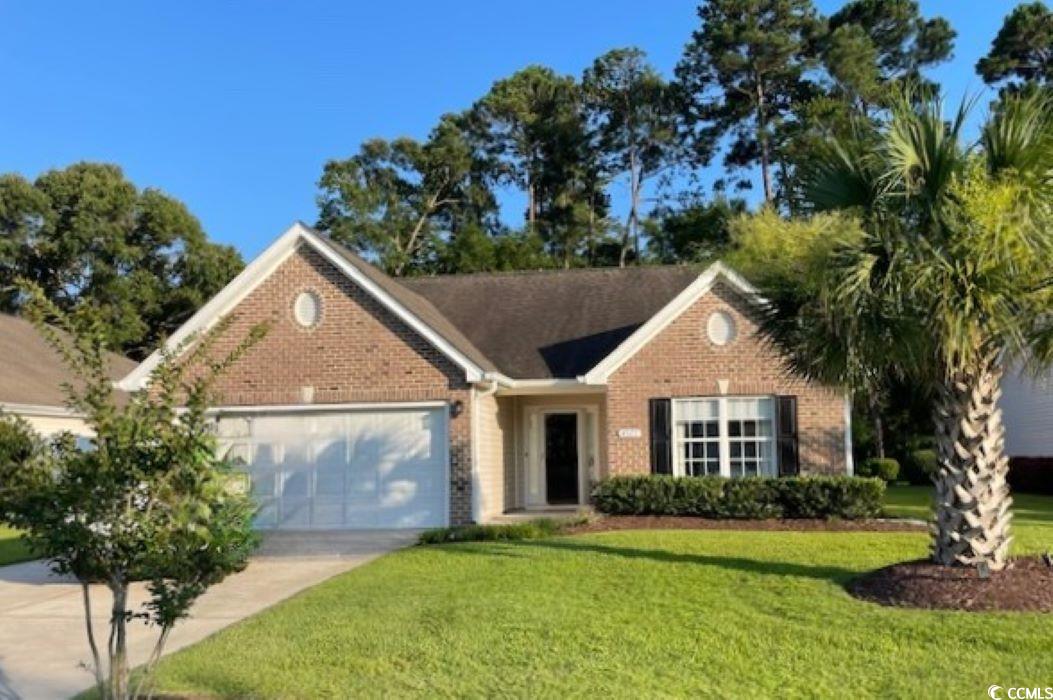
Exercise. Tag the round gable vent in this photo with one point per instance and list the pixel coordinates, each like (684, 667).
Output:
(721, 328)
(307, 309)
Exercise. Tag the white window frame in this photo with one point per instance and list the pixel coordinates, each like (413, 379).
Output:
(724, 438)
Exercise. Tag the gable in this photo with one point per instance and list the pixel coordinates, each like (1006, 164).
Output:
(417, 313)
(715, 274)
(358, 351)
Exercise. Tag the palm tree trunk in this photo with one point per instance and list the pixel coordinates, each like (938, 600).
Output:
(972, 520)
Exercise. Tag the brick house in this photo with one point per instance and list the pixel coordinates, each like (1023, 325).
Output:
(376, 403)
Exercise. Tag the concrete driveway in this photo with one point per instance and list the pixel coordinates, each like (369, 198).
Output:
(42, 636)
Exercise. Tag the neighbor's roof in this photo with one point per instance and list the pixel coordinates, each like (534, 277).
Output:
(556, 323)
(31, 373)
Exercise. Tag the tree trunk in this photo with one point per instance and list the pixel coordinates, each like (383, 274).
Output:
(119, 642)
(762, 142)
(879, 426)
(100, 678)
(972, 520)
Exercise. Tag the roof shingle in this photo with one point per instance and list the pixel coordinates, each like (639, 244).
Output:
(551, 324)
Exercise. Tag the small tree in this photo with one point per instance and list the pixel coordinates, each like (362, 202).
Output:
(148, 501)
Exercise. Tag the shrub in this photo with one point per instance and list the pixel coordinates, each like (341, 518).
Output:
(750, 498)
(529, 530)
(884, 468)
(920, 467)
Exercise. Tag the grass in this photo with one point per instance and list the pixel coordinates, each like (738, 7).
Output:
(621, 614)
(12, 548)
(1032, 515)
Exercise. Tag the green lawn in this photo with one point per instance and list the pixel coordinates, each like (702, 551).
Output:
(12, 548)
(626, 614)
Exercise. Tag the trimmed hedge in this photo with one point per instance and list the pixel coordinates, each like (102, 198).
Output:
(884, 468)
(750, 498)
(921, 466)
(536, 529)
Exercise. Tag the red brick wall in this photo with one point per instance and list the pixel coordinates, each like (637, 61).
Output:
(358, 352)
(681, 361)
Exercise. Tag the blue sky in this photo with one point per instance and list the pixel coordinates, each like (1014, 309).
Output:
(234, 107)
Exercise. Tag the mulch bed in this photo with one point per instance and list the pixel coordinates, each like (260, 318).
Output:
(657, 522)
(1025, 585)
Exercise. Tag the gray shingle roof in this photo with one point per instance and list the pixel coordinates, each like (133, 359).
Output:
(31, 372)
(552, 324)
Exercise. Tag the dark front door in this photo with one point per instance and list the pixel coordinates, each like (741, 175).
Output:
(561, 457)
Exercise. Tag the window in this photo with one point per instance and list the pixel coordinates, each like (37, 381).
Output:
(698, 436)
(720, 328)
(729, 436)
(749, 425)
(307, 309)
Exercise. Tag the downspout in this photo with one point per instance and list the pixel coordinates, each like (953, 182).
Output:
(476, 394)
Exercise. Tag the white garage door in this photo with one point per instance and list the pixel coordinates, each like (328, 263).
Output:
(349, 469)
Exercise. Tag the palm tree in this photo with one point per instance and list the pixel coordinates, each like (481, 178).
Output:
(949, 282)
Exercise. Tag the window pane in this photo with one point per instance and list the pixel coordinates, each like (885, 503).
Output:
(734, 428)
(713, 450)
(736, 450)
(697, 409)
(750, 449)
(712, 429)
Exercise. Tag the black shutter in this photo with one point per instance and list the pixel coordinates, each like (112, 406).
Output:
(786, 435)
(661, 436)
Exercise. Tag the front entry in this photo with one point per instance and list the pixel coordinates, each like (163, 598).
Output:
(561, 458)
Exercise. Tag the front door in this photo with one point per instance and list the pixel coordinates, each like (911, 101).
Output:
(561, 458)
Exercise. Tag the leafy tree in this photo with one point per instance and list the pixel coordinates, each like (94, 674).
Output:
(743, 71)
(954, 256)
(694, 231)
(874, 47)
(1022, 51)
(86, 234)
(532, 126)
(394, 201)
(632, 114)
(149, 501)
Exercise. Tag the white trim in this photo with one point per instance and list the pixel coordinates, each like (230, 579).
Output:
(680, 303)
(334, 407)
(259, 270)
(42, 410)
(473, 448)
(541, 387)
(723, 437)
(850, 465)
(588, 444)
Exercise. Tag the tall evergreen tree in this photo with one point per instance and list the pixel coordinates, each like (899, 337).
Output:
(631, 112)
(85, 233)
(743, 71)
(1022, 52)
(533, 127)
(873, 47)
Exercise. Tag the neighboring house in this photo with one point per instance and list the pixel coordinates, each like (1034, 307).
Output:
(1027, 412)
(375, 402)
(32, 375)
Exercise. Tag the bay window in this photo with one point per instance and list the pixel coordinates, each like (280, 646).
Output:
(729, 436)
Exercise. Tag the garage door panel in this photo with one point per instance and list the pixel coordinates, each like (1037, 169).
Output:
(357, 469)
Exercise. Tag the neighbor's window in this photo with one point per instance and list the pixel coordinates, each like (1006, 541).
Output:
(728, 436)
